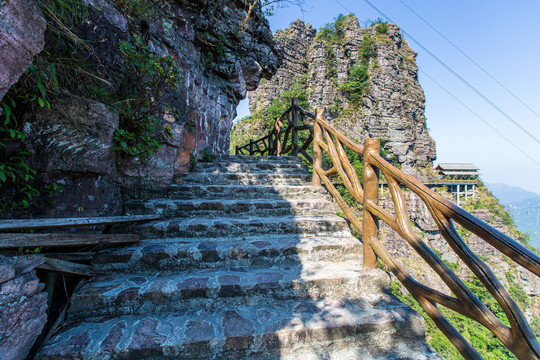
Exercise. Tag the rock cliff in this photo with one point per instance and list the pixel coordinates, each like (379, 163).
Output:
(117, 123)
(392, 103)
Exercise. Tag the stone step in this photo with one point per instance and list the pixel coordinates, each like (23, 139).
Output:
(237, 178)
(250, 167)
(240, 227)
(185, 253)
(193, 191)
(258, 159)
(255, 332)
(398, 350)
(169, 208)
(158, 292)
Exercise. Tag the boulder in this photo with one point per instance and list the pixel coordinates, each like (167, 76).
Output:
(22, 306)
(22, 29)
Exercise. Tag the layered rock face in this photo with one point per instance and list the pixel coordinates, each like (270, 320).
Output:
(220, 51)
(392, 107)
(292, 45)
(22, 30)
(22, 306)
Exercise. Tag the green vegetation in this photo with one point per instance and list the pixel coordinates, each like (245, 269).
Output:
(68, 65)
(478, 336)
(140, 133)
(298, 89)
(382, 28)
(356, 85)
(142, 9)
(333, 33)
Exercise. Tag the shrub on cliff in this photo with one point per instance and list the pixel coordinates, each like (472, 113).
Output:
(356, 85)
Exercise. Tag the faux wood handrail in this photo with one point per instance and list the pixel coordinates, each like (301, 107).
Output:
(284, 140)
(518, 337)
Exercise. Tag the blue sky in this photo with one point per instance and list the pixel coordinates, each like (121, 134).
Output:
(501, 36)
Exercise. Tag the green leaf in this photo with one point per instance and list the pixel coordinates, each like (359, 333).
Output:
(7, 110)
(41, 88)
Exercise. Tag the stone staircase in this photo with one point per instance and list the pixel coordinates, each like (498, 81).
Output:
(249, 261)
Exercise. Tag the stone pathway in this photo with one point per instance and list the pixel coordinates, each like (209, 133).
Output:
(249, 261)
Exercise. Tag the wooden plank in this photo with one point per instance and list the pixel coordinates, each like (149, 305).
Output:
(67, 256)
(73, 256)
(66, 268)
(10, 241)
(27, 224)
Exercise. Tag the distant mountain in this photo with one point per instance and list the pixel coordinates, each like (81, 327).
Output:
(523, 205)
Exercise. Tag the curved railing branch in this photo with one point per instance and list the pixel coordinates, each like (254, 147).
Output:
(508, 246)
(330, 142)
(517, 337)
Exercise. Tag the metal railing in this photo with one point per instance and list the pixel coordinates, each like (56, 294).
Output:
(518, 336)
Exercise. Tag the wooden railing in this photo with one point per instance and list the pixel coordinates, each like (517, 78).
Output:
(518, 336)
(284, 140)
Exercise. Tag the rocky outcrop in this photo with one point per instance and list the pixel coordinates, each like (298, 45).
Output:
(22, 29)
(22, 306)
(71, 145)
(220, 52)
(392, 108)
(292, 45)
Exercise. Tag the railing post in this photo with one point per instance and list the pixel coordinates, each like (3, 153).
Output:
(317, 153)
(236, 153)
(294, 119)
(370, 222)
(250, 147)
(278, 140)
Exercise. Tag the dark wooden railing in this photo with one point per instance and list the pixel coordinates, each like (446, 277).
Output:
(284, 140)
(518, 336)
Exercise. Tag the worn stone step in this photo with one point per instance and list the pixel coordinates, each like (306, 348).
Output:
(170, 208)
(185, 253)
(153, 293)
(251, 167)
(228, 191)
(401, 349)
(246, 178)
(241, 226)
(256, 332)
(257, 159)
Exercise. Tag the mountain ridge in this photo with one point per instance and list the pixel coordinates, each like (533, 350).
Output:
(524, 207)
